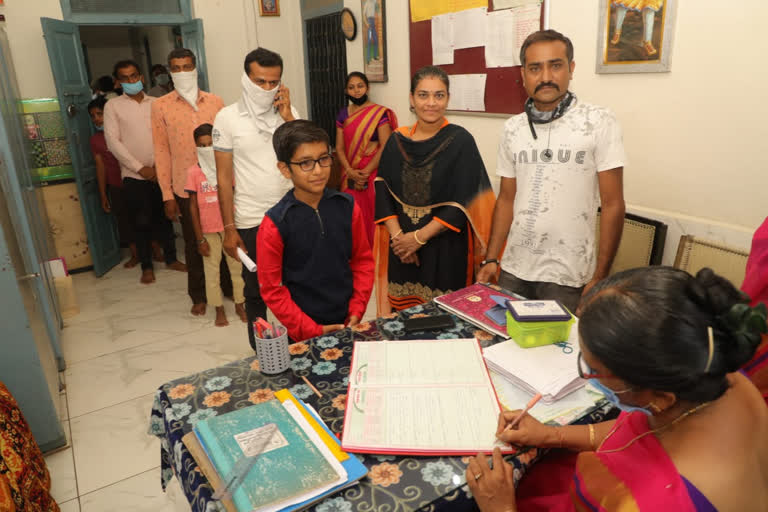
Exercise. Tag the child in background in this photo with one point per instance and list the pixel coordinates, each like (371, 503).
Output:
(109, 180)
(314, 261)
(209, 228)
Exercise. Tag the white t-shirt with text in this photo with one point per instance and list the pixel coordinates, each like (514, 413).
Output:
(552, 237)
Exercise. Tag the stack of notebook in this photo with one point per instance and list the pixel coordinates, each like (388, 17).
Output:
(279, 454)
(480, 305)
(550, 369)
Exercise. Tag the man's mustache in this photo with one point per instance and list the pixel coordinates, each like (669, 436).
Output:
(546, 84)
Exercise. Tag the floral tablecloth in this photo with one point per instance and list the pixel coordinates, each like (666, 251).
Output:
(393, 484)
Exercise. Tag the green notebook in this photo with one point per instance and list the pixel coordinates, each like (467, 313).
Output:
(289, 464)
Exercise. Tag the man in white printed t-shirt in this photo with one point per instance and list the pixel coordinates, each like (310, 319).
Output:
(557, 161)
(246, 166)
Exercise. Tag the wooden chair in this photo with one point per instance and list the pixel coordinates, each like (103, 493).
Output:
(642, 242)
(694, 253)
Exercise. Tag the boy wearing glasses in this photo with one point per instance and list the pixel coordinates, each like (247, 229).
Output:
(315, 263)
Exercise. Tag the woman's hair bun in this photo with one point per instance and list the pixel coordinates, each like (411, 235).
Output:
(737, 325)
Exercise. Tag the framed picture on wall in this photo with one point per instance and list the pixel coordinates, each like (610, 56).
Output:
(635, 36)
(374, 32)
(269, 7)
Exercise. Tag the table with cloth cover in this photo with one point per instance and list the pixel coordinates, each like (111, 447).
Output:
(393, 484)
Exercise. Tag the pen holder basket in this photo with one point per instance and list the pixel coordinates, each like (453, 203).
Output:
(272, 353)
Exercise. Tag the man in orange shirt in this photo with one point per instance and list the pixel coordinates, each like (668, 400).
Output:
(174, 117)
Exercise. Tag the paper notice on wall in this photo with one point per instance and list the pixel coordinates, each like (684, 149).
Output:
(500, 50)
(422, 10)
(468, 92)
(442, 39)
(470, 28)
(509, 4)
(527, 21)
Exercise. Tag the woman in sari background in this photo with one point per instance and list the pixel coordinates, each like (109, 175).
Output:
(362, 129)
(433, 203)
(665, 347)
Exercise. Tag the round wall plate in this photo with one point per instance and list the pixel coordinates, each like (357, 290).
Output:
(348, 24)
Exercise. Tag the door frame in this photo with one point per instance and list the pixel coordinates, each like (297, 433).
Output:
(125, 18)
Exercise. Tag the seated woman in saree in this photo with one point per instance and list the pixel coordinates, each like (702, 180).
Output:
(433, 203)
(362, 129)
(692, 436)
(755, 285)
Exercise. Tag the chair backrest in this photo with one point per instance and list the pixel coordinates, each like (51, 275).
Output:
(642, 243)
(695, 253)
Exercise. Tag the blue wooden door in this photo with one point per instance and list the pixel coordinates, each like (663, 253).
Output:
(192, 37)
(69, 72)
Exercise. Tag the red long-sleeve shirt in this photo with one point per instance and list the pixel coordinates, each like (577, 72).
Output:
(270, 249)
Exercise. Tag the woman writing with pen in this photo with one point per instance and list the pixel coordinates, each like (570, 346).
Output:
(666, 348)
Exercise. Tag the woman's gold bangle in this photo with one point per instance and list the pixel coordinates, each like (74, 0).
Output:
(416, 237)
(396, 235)
(592, 436)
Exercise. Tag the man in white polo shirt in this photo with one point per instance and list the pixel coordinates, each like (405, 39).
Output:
(249, 180)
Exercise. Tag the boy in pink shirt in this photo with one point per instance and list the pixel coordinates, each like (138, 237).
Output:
(209, 229)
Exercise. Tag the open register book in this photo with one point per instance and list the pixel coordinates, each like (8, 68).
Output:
(431, 397)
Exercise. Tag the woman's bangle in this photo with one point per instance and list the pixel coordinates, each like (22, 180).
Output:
(227, 225)
(416, 237)
(560, 439)
(396, 235)
(592, 437)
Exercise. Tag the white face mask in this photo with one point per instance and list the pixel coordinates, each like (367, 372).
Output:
(207, 163)
(185, 83)
(259, 103)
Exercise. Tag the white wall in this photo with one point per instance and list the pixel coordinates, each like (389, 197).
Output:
(234, 27)
(693, 157)
(25, 37)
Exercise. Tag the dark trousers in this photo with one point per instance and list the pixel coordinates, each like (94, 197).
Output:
(122, 215)
(254, 304)
(145, 201)
(568, 296)
(195, 272)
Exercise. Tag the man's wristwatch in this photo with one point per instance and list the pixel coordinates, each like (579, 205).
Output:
(485, 262)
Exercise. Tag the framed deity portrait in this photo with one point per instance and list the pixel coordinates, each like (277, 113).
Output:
(269, 7)
(374, 32)
(635, 36)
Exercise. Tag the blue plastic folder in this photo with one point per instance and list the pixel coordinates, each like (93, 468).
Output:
(354, 468)
(274, 475)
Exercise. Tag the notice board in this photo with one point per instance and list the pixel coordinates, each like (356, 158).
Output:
(504, 92)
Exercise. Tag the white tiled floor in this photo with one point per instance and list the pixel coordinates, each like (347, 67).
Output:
(127, 341)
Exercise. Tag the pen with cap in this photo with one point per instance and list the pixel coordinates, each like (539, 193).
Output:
(533, 401)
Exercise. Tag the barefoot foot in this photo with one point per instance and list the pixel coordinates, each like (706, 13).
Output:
(198, 309)
(176, 265)
(221, 317)
(132, 262)
(240, 311)
(147, 276)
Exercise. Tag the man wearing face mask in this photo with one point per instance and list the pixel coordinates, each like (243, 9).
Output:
(163, 84)
(128, 131)
(174, 119)
(242, 143)
(557, 161)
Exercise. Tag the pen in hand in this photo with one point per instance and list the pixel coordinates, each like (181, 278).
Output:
(528, 407)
